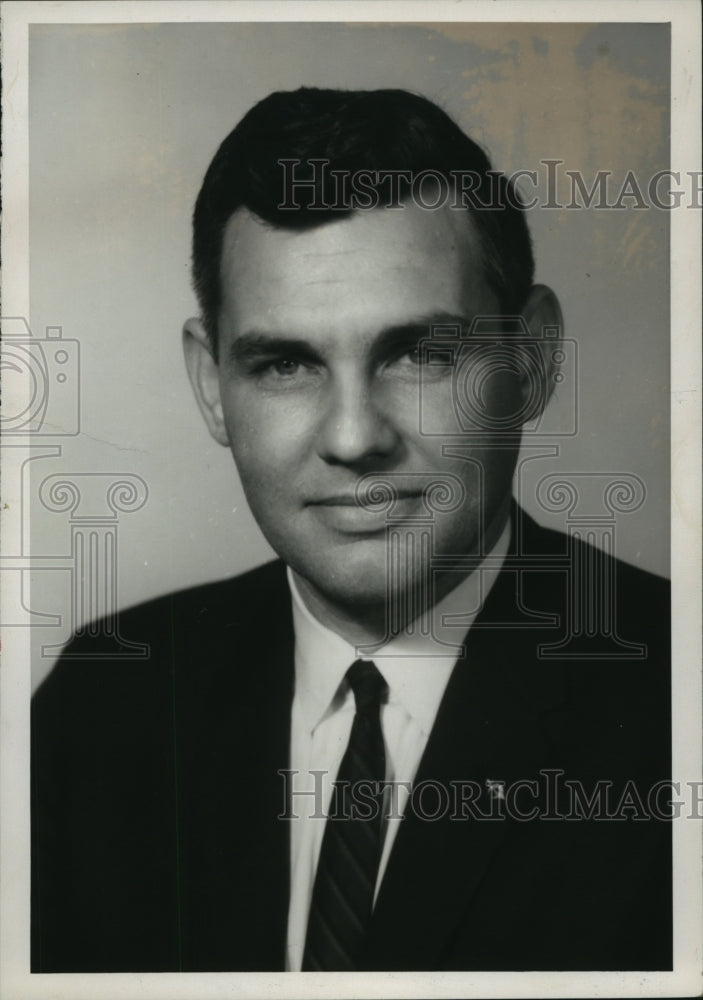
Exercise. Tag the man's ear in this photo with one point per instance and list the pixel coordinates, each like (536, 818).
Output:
(204, 375)
(543, 316)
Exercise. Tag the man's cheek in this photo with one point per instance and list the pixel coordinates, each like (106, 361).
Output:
(257, 438)
(430, 414)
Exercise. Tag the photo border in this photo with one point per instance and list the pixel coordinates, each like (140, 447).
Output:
(685, 268)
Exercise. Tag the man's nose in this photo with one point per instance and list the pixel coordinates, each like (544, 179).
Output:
(356, 426)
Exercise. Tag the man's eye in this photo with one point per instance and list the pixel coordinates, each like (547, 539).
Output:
(285, 366)
(276, 368)
(284, 373)
(409, 355)
(419, 355)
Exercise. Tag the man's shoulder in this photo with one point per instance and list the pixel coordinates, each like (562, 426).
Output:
(144, 643)
(225, 598)
(581, 554)
(231, 601)
(607, 649)
(591, 622)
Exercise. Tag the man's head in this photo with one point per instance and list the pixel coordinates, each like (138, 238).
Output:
(353, 132)
(308, 361)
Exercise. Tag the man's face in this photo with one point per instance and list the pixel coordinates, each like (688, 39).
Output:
(319, 383)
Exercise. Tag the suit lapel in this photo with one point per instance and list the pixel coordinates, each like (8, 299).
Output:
(487, 729)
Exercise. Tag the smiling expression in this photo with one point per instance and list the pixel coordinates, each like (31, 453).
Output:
(318, 380)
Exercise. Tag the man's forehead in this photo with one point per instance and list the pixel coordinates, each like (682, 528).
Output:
(351, 278)
(416, 230)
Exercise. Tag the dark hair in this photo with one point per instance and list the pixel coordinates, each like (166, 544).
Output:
(377, 131)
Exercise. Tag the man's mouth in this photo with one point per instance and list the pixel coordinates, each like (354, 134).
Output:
(352, 500)
(347, 514)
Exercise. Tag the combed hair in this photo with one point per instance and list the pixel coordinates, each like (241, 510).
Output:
(377, 131)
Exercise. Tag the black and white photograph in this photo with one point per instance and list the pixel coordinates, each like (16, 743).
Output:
(351, 499)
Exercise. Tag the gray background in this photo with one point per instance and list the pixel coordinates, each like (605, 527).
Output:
(123, 123)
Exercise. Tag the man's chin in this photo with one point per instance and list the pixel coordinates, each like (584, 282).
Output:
(348, 591)
(355, 578)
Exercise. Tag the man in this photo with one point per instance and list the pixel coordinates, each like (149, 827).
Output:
(370, 344)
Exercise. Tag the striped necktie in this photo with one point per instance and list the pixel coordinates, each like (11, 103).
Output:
(345, 882)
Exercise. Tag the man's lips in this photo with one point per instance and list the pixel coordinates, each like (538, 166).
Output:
(351, 500)
(347, 514)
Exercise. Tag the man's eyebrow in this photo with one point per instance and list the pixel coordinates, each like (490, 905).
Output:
(426, 323)
(258, 343)
(421, 327)
(250, 346)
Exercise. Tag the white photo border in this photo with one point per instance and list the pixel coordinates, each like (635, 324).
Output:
(15, 980)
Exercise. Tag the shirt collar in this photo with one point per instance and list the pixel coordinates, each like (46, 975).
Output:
(414, 665)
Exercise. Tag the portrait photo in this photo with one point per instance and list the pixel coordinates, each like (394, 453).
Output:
(351, 528)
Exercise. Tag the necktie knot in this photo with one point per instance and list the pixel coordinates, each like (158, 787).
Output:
(368, 685)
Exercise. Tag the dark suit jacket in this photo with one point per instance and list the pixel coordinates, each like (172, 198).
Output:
(156, 838)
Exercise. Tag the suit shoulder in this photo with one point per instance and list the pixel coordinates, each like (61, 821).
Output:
(536, 538)
(228, 599)
(248, 589)
(634, 583)
(613, 619)
(166, 628)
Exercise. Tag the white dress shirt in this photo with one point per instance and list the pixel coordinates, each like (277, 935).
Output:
(416, 669)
